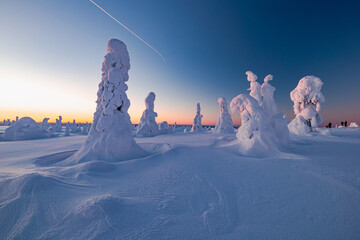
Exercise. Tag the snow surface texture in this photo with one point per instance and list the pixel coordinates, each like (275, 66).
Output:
(307, 98)
(24, 129)
(255, 89)
(197, 127)
(148, 126)
(224, 122)
(256, 136)
(190, 190)
(110, 137)
(267, 92)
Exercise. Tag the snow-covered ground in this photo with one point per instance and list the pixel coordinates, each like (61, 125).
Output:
(191, 187)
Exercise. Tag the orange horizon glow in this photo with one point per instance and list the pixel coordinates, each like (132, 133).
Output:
(83, 118)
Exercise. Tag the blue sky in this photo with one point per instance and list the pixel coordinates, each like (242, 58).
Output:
(51, 54)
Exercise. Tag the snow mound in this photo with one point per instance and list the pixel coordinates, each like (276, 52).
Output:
(307, 98)
(148, 126)
(110, 137)
(224, 122)
(255, 136)
(24, 129)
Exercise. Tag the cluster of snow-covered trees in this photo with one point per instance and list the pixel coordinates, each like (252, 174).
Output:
(110, 137)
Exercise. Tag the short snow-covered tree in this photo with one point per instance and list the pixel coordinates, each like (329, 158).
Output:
(255, 136)
(110, 137)
(45, 124)
(255, 89)
(25, 128)
(164, 128)
(224, 122)
(267, 92)
(67, 129)
(58, 126)
(197, 126)
(148, 125)
(307, 98)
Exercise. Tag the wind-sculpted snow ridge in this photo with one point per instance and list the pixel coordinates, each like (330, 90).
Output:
(224, 122)
(256, 135)
(197, 126)
(25, 129)
(148, 126)
(110, 137)
(255, 89)
(307, 98)
(267, 92)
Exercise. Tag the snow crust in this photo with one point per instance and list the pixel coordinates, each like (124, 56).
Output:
(224, 122)
(24, 129)
(307, 98)
(197, 126)
(148, 126)
(110, 137)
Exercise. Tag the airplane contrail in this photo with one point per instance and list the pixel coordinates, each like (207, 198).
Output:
(129, 30)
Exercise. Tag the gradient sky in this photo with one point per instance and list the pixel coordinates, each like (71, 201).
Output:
(51, 54)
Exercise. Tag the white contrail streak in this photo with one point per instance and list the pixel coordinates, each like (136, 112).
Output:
(129, 30)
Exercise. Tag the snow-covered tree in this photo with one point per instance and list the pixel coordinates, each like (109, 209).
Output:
(44, 124)
(25, 128)
(74, 127)
(148, 125)
(197, 126)
(255, 136)
(165, 128)
(353, 125)
(58, 126)
(307, 98)
(224, 122)
(255, 89)
(110, 137)
(267, 92)
(67, 129)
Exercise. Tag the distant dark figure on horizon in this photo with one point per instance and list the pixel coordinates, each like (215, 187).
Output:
(342, 123)
(345, 123)
(329, 125)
